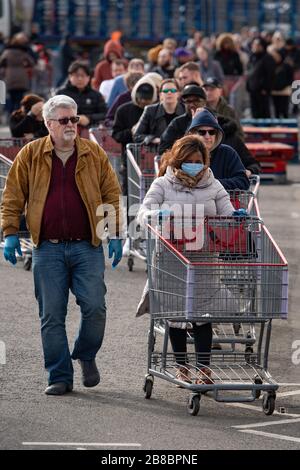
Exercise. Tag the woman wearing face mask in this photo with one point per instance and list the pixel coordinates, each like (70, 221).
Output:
(186, 180)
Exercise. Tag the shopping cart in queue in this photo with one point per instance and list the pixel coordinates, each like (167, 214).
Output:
(140, 174)
(10, 147)
(25, 241)
(102, 136)
(227, 336)
(221, 270)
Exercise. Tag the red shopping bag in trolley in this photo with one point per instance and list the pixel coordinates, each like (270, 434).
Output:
(230, 240)
(186, 234)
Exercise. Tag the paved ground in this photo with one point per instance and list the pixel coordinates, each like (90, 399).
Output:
(115, 414)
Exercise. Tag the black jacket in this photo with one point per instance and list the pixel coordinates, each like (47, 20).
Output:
(126, 117)
(153, 122)
(90, 102)
(233, 139)
(179, 125)
(261, 73)
(21, 124)
(230, 62)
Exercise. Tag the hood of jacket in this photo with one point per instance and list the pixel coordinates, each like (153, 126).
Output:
(113, 46)
(150, 79)
(206, 119)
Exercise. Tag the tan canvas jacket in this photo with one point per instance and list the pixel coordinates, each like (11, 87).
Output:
(28, 182)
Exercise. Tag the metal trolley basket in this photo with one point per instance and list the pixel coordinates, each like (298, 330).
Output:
(26, 244)
(103, 136)
(141, 172)
(227, 336)
(235, 272)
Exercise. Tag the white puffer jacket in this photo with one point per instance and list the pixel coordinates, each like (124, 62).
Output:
(167, 191)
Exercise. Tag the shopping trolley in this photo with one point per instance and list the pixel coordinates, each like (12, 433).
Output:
(140, 174)
(103, 136)
(220, 270)
(10, 147)
(229, 335)
(26, 244)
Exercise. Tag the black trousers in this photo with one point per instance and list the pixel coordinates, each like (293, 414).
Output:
(281, 106)
(202, 338)
(260, 105)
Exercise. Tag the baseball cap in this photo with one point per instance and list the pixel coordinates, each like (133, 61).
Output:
(189, 90)
(213, 82)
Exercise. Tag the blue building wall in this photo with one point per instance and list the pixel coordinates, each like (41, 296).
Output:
(155, 19)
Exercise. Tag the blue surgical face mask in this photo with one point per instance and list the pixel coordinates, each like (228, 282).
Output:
(192, 169)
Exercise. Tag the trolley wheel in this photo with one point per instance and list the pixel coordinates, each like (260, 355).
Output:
(268, 403)
(194, 404)
(248, 352)
(130, 263)
(257, 381)
(27, 263)
(148, 386)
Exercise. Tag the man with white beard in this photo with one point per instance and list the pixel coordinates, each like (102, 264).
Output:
(66, 184)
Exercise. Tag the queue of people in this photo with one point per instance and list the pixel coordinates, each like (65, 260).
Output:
(203, 154)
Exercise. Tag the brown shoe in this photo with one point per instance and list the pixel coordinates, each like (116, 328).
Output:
(204, 377)
(183, 373)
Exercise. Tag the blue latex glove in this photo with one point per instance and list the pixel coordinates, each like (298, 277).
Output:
(163, 213)
(11, 244)
(115, 247)
(240, 213)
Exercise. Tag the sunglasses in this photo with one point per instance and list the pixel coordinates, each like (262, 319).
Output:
(171, 90)
(64, 121)
(204, 132)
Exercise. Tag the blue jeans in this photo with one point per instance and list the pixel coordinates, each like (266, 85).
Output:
(58, 268)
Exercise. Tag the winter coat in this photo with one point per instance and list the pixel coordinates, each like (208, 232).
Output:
(224, 109)
(168, 191)
(126, 117)
(90, 102)
(21, 124)
(225, 162)
(103, 68)
(29, 179)
(177, 128)
(261, 73)
(283, 79)
(212, 69)
(230, 62)
(233, 139)
(153, 122)
(16, 64)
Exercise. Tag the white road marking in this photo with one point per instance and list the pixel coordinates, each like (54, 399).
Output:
(258, 408)
(83, 444)
(295, 215)
(269, 423)
(273, 436)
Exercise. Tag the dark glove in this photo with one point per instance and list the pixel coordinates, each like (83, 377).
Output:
(115, 247)
(11, 244)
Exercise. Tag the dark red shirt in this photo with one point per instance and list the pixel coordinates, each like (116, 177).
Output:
(65, 216)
